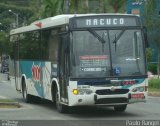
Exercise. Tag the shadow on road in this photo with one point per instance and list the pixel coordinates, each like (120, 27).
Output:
(99, 112)
(86, 112)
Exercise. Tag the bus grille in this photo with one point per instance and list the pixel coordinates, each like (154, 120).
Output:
(109, 92)
(111, 100)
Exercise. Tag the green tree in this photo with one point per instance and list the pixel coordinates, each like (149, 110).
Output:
(53, 7)
(8, 18)
(73, 6)
(85, 3)
(101, 6)
(152, 22)
(4, 43)
(66, 6)
(36, 9)
(149, 54)
(87, 6)
(117, 4)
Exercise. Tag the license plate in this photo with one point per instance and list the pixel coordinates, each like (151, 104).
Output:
(137, 96)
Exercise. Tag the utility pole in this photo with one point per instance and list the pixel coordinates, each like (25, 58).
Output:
(86, 6)
(17, 18)
(66, 6)
(76, 6)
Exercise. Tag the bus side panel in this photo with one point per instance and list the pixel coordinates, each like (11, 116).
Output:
(37, 78)
(46, 80)
(31, 70)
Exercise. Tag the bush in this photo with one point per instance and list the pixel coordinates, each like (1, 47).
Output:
(154, 83)
(152, 68)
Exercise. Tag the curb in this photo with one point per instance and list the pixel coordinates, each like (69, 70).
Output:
(10, 104)
(154, 94)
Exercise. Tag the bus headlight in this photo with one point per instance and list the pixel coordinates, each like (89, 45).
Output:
(85, 91)
(139, 89)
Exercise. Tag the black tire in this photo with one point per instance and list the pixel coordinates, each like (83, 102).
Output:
(8, 78)
(54, 88)
(60, 107)
(27, 98)
(120, 108)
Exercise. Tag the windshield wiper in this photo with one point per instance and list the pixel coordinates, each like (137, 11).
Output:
(96, 35)
(117, 38)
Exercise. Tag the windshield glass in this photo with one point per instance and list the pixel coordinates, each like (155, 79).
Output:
(107, 53)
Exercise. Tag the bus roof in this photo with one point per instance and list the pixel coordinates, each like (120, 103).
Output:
(56, 21)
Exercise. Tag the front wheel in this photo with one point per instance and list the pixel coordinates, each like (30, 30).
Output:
(60, 107)
(120, 108)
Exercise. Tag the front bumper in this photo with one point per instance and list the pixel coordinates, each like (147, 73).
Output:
(105, 100)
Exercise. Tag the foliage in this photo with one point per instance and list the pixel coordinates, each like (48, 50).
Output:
(152, 68)
(7, 18)
(39, 9)
(4, 43)
(149, 54)
(36, 9)
(154, 83)
(152, 22)
(116, 4)
(52, 7)
(77, 6)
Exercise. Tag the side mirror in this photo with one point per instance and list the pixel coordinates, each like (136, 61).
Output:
(145, 37)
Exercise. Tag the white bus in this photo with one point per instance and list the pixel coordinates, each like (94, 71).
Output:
(81, 60)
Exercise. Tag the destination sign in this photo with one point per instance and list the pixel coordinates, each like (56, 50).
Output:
(104, 21)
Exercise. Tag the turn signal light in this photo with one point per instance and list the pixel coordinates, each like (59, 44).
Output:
(75, 91)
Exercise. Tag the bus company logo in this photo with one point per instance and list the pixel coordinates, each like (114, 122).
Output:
(36, 72)
(112, 88)
(39, 25)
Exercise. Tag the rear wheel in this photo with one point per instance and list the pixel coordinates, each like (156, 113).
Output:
(120, 108)
(27, 97)
(60, 107)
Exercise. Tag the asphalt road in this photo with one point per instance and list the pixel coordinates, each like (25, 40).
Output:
(47, 111)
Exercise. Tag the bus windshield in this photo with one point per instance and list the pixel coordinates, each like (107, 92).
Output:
(107, 53)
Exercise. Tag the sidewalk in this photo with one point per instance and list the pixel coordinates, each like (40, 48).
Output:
(154, 94)
(3, 77)
(6, 102)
